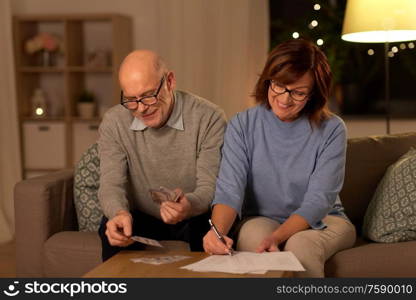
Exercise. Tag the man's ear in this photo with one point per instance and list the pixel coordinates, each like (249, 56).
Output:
(171, 80)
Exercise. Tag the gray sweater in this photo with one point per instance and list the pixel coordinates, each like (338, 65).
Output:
(134, 159)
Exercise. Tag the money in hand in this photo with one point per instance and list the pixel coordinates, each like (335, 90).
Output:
(163, 194)
(146, 241)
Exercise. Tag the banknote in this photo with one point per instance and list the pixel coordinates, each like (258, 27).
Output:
(160, 260)
(163, 194)
(146, 241)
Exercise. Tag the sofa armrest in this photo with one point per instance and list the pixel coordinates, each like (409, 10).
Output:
(43, 206)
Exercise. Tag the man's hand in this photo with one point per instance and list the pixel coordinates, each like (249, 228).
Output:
(213, 245)
(175, 212)
(119, 229)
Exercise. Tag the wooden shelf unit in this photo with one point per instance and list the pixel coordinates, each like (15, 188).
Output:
(64, 80)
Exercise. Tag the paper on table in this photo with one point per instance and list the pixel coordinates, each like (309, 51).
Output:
(248, 262)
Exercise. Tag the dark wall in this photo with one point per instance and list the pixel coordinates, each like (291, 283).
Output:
(360, 76)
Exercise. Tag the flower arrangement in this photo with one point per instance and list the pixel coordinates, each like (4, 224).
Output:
(42, 41)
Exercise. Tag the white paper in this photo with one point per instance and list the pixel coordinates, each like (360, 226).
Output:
(248, 262)
(146, 241)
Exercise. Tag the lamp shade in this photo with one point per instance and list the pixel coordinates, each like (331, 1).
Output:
(379, 21)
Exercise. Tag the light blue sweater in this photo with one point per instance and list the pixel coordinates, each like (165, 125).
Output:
(275, 169)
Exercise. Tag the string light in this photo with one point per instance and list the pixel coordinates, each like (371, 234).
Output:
(370, 52)
(320, 42)
(314, 23)
(391, 54)
(317, 7)
(295, 35)
(411, 45)
(395, 49)
(402, 46)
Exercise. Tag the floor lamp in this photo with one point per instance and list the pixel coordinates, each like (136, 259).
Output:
(380, 21)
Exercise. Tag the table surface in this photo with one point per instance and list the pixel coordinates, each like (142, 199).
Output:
(121, 266)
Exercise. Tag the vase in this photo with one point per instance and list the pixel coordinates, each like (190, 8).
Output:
(47, 59)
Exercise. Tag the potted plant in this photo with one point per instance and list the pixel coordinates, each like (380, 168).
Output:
(86, 105)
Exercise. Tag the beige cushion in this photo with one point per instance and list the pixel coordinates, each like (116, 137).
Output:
(374, 260)
(71, 253)
(391, 215)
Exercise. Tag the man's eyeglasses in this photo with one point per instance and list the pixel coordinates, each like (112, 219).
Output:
(295, 94)
(132, 104)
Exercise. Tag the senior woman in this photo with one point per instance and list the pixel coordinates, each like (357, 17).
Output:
(283, 166)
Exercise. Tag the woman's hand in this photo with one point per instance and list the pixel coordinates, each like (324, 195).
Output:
(213, 245)
(292, 225)
(269, 244)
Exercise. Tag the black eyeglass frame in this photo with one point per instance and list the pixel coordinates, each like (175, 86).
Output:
(142, 99)
(286, 90)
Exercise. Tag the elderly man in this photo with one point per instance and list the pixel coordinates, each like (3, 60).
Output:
(159, 136)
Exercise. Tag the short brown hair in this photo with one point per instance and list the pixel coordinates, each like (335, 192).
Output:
(288, 62)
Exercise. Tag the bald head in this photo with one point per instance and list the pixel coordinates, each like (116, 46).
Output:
(141, 66)
(143, 75)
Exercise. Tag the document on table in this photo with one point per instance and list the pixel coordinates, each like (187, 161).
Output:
(248, 262)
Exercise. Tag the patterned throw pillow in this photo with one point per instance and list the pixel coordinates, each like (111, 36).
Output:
(86, 183)
(391, 215)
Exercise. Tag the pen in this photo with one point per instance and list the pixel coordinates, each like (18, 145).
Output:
(219, 236)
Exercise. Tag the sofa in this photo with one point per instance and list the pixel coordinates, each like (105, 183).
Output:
(48, 243)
